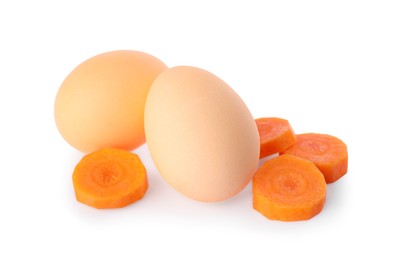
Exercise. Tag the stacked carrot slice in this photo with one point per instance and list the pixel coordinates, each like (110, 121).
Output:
(292, 187)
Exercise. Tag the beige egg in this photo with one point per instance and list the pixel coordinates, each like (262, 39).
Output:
(200, 134)
(101, 102)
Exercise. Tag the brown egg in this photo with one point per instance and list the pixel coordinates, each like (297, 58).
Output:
(101, 102)
(200, 134)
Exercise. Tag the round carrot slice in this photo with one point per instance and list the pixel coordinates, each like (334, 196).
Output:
(288, 188)
(276, 135)
(327, 152)
(109, 178)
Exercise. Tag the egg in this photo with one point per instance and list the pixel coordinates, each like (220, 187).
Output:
(200, 134)
(101, 102)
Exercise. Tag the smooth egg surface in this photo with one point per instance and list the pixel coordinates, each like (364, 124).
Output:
(101, 102)
(200, 134)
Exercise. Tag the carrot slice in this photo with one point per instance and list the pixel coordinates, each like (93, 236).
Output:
(276, 135)
(327, 152)
(109, 178)
(288, 188)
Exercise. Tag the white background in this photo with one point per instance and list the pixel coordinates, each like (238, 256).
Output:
(326, 66)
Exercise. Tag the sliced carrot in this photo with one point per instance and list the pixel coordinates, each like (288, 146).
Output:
(109, 178)
(288, 188)
(276, 135)
(327, 152)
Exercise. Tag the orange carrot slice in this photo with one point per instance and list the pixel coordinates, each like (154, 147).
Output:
(276, 135)
(288, 188)
(109, 178)
(327, 152)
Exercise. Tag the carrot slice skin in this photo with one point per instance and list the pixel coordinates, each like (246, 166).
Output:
(109, 178)
(289, 188)
(276, 135)
(327, 152)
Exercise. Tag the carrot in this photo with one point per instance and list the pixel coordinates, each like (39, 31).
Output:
(276, 135)
(109, 178)
(327, 152)
(288, 188)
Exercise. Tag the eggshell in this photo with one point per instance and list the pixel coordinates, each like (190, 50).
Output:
(200, 134)
(101, 102)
